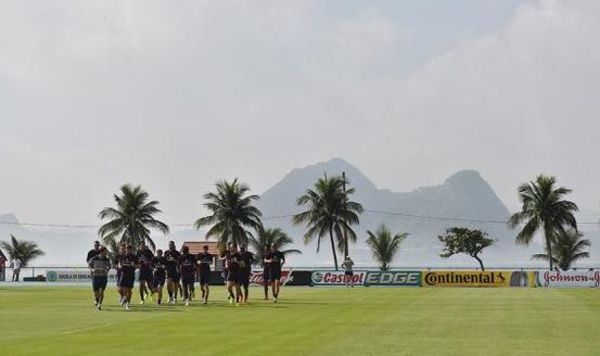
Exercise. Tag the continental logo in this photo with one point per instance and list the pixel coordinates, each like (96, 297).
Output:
(466, 279)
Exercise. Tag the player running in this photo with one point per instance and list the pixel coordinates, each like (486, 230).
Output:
(172, 256)
(267, 270)
(246, 271)
(277, 260)
(128, 263)
(159, 274)
(91, 254)
(122, 251)
(99, 267)
(234, 270)
(187, 265)
(224, 258)
(145, 256)
(205, 259)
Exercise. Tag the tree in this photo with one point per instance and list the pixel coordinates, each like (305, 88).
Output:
(23, 250)
(233, 213)
(384, 246)
(544, 208)
(132, 219)
(270, 237)
(329, 212)
(568, 248)
(463, 240)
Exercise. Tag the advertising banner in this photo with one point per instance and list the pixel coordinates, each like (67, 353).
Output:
(336, 278)
(74, 275)
(466, 278)
(567, 279)
(393, 278)
(256, 278)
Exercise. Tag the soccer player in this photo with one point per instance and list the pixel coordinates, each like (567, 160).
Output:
(99, 267)
(277, 261)
(205, 259)
(159, 274)
(128, 263)
(145, 256)
(116, 262)
(234, 270)
(172, 256)
(267, 270)
(246, 271)
(187, 265)
(224, 258)
(348, 271)
(91, 254)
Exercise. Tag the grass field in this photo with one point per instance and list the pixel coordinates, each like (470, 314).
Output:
(308, 321)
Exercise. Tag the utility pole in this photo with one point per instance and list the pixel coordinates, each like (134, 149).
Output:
(345, 207)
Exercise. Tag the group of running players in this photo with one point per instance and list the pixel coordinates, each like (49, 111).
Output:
(179, 271)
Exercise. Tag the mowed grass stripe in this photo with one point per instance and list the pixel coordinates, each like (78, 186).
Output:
(325, 321)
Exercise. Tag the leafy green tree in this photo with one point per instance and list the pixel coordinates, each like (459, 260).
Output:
(384, 246)
(568, 248)
(132, 219)
(463, 240)
(544, 208)
(233, 213)
(23, 250)
(329, 211)
(270, 237)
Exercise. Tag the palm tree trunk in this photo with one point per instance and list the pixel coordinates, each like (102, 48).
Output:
(335, 261)
(548, 236)
(480, 262)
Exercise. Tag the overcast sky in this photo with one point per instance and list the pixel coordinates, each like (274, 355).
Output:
(174, 95)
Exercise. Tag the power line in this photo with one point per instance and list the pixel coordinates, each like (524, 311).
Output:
(287, 216)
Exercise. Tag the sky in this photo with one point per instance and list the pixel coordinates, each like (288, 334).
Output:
(177, 95)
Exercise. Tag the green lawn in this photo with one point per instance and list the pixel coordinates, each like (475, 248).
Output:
(308, 321)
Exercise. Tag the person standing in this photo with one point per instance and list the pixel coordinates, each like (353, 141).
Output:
(145, 256)
(248, 259)
(99, 267)
(205, 259)
(277, 261)
(347, 265)
(267, 270)
(16, 269)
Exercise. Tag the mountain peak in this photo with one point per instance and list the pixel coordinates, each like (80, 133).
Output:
(9, 218)
(465, 178)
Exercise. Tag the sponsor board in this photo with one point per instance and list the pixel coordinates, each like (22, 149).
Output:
(336, 278)
(466, 278)
(393, 278)
(567, 279)
(256, 278)
(74, 275)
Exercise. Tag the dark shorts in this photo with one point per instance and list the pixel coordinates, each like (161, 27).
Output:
(118, 276)
(267, 276)
(348, 273)
(234, 276)
(174, 275)
(127, 280)
(99, 283)
(158, 282)
(145, 275)
(204, 278)
(275, 274)
(245, 278)
(188, 281)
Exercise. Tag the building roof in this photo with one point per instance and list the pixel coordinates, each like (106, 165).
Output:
(196, 246)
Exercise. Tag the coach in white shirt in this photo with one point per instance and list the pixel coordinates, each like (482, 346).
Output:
(16, 269)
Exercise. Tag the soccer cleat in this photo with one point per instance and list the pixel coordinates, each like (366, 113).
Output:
(126, 306)
(275, 300)
(99, 307)
(230, 300)
(142, 302)
(187, 303)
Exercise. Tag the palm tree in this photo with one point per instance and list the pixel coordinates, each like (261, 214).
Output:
(544, 208)
(132, 219)
(329, 212)
(233, 213)
(568, 248)
(24, 251)
(384, 246)
(112, 247)
(270, 237)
